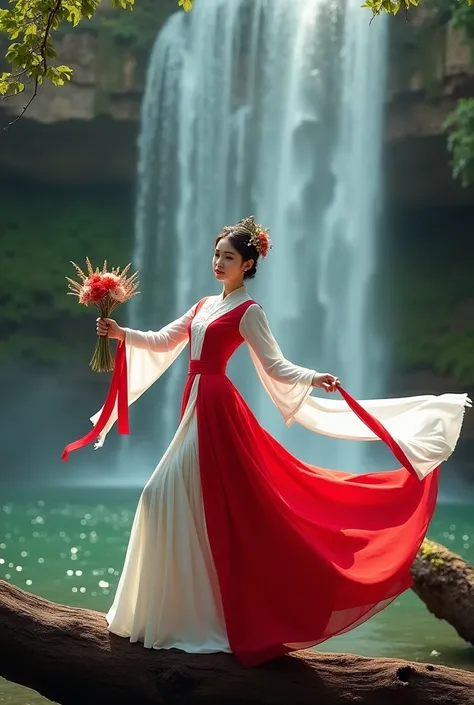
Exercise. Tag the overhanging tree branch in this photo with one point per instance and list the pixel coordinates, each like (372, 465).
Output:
(29, 25)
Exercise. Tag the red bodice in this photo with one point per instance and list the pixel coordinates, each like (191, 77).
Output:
(222, 338)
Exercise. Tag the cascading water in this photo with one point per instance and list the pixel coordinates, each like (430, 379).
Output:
(271, 108)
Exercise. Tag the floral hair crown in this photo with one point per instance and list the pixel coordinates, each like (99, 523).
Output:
(259, 237)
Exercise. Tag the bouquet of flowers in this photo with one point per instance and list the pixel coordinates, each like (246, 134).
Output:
(106, 290)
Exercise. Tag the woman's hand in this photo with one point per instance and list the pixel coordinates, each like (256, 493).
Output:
(109, 327)
(326, 381)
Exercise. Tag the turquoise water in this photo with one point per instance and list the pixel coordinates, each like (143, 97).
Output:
(68, 545)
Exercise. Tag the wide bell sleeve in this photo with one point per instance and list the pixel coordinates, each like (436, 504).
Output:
(424, 428)
(149, 354)
(288, 385)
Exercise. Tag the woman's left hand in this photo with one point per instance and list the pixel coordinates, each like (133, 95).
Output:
(326, 381)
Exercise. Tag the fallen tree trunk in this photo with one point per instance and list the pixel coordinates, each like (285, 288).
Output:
(68, 655)
(445, 583)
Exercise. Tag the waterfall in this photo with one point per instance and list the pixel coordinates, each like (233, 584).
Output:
(271, 108)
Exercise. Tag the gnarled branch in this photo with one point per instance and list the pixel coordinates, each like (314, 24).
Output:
(68, 655)
(445, 583)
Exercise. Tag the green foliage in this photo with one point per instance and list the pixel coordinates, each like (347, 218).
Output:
(420, 47)
(460, 128)
(426, 297)
(463, 18)
(459, 124)
(136, 29)
(459, 15)
(432, 551)
(391, 7)
(39, 322)
(30, 25)
(431, 334)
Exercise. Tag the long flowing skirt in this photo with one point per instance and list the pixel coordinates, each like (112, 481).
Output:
(239, 546)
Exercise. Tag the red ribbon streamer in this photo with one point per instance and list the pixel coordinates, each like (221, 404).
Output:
(377, 428)
(117, 392)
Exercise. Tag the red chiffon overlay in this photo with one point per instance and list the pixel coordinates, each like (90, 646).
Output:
(302, 553)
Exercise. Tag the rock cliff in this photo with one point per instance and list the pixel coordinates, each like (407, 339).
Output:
(430, 68)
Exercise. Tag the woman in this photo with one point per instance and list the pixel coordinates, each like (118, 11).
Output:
(238, 546)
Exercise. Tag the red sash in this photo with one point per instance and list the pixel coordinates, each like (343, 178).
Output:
(117, 392)
(377, 428)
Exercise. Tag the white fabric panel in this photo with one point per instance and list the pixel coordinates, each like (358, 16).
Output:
(168, 594)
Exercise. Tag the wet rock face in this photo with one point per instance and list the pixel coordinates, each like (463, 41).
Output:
(100, 108)
(426, 78)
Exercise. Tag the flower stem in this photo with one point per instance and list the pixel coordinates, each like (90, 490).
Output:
(102, 360)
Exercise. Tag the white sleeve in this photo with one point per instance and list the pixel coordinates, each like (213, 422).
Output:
(287, 384)
(149, 354)
(164, 340)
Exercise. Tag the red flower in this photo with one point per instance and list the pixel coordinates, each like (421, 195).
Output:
(98, 291)
(110, 281)
(264, 243)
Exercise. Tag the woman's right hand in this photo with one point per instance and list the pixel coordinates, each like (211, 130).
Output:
(110, 328)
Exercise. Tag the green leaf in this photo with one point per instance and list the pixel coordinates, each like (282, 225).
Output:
(16, 87)
(459, 126)
(74, 16)
(64, 69)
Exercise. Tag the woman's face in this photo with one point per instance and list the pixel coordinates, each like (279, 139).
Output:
(228, 264)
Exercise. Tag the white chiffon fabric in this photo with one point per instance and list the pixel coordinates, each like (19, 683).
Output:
(168, 594)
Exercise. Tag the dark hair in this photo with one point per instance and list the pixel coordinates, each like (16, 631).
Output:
(240, 242)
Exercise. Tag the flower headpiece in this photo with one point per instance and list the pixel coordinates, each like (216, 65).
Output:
(259, 237)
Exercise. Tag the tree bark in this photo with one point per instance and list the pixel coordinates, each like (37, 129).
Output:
(445, 583)
(68, 655)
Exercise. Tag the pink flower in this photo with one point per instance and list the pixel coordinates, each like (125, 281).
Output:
(118, 293)
(85, 295)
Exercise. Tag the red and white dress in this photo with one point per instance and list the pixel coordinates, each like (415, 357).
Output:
(237, 545)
